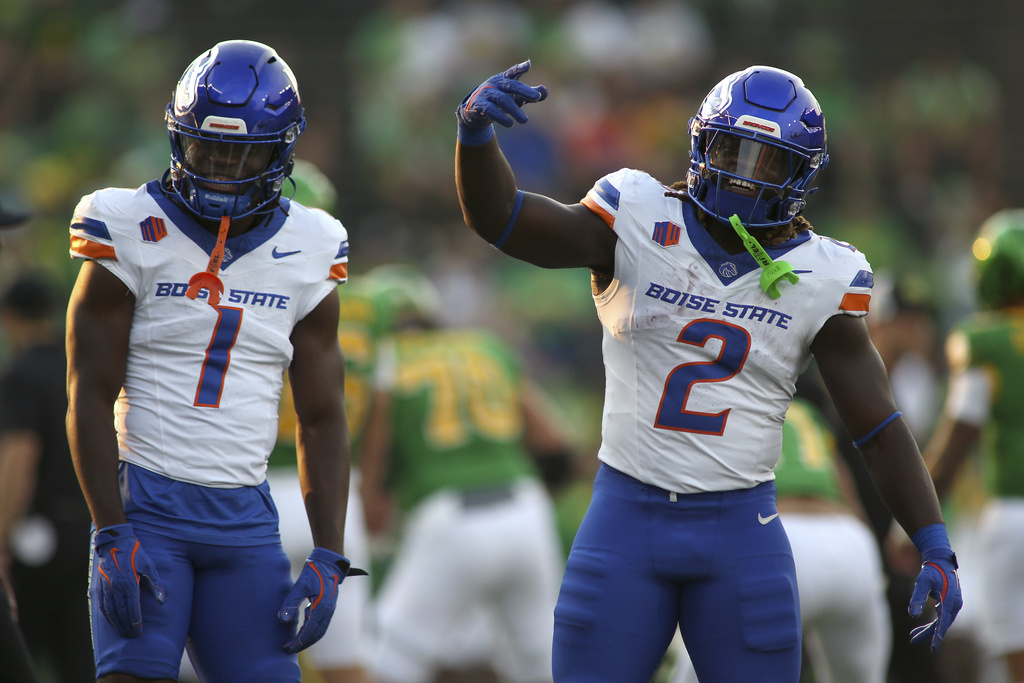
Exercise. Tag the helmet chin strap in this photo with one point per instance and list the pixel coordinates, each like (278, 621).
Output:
(208, 280)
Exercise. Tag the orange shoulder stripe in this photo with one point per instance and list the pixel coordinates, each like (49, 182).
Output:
(855, 302)
(89, 249)
(339, 271)
(599, 210)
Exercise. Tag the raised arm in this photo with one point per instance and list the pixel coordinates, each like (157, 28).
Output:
(856, 379)
(527, 226)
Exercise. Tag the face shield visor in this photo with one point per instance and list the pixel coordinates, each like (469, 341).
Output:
(216, 177)
(225, 165)
(742, 159)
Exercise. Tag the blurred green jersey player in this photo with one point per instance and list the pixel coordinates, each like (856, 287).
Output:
(455, 423)
(985, 354)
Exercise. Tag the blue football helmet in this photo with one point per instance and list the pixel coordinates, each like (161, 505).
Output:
(756, 144)
(233, 123)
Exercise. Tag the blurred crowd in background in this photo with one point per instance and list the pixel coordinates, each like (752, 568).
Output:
(919, 100)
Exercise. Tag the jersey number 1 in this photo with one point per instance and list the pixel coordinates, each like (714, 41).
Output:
(218, 357)
(672, 412)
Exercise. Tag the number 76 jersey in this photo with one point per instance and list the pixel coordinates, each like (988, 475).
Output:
(202, 383)
(700, 363)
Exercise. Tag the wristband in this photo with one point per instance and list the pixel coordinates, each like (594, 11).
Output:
(473, 137)
(932, 541)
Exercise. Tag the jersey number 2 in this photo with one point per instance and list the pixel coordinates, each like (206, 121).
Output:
(672, 412)
(218, 357)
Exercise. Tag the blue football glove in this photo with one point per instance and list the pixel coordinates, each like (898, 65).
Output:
(318, 583)
(122, 565)
(499, 99)
(938, 579)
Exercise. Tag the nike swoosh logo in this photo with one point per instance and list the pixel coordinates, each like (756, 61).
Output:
(765, 520)
(281, 254)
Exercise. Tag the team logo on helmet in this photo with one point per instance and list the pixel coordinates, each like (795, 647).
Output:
(186, 94)
(712, 104)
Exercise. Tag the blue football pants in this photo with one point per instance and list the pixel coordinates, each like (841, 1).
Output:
(717, 564)
(223, 600)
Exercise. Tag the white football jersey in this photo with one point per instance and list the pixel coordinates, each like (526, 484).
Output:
(700, 363)
(201, 389)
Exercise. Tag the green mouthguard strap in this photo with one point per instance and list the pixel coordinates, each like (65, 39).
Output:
(771, 271)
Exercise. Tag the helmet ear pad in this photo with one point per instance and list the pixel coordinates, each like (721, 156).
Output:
(777, 126)
(234, 101)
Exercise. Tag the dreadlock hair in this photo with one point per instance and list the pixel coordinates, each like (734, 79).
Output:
(771, 237)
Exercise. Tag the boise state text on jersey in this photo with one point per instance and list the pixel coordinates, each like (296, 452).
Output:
(689, 336)
(196, 373)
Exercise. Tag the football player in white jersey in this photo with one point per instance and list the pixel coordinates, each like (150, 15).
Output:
(706, 329)
(198, 290)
